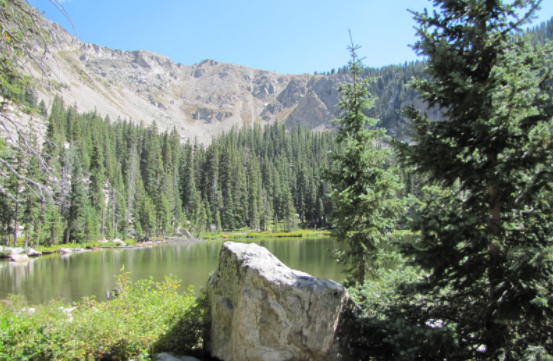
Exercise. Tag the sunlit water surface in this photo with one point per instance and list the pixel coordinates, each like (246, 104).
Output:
(74, 276)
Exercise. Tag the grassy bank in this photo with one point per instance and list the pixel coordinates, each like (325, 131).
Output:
(56, 247)
(88, 245)
(241, 234)
(146, 317)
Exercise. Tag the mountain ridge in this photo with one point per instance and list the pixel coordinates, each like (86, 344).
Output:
(201, 100)
(205, 99)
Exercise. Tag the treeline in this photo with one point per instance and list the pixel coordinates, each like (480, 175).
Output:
(388, 85)
(108, 179)
(541, 33)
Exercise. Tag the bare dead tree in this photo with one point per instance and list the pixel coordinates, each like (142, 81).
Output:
(22, 32)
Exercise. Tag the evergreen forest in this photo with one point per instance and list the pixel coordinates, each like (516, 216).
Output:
(136, 180)
(390, 90)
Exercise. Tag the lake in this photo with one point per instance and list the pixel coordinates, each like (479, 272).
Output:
(74, 276)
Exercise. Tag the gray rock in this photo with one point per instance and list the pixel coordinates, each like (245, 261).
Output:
(65, 251)
(19, 258)
(199, 73)
(210, 115)
(32, 253)
(293, 92)
(118, 241)
(263, 310)
(7, 251)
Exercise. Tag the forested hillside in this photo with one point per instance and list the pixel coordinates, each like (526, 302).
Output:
(120, 177)
(388, 85)
(541, 33)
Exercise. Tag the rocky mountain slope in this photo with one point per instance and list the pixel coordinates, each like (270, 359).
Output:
(205, 99)
(201, 100)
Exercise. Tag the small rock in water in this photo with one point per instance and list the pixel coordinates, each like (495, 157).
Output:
(169, 356)
(19, 258)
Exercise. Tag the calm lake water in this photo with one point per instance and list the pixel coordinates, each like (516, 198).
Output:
(74, 276)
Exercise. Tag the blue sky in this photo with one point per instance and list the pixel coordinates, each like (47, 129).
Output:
(285, 36)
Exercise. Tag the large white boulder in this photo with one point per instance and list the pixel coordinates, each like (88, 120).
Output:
(263, 310)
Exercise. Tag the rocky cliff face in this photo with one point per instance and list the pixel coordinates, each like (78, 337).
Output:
(201, 100)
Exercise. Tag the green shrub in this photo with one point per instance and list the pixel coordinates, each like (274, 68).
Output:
(130, 326)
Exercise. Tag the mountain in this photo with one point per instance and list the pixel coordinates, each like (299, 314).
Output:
(205, 99)
(200, 100)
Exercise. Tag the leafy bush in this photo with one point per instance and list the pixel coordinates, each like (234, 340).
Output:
(143, 313)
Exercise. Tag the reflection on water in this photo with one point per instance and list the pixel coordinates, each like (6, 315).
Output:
(92, 273)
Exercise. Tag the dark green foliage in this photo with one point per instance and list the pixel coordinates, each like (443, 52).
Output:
(184, 336)
(363, 191)
(485, 225)
(21, 32)
(541, 33)
(42, 108)
(78, 204)
(391, 91)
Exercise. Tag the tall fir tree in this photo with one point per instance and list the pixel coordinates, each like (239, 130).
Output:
(96, 187)
(78, 204)
(363, 191)
(486, 229)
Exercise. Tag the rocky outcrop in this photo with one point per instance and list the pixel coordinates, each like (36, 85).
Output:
(7, 251)
(263, 310)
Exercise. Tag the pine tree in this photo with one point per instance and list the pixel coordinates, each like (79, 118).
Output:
(486, 227)
(42, 108)
(32, 204)
(363, 192)
(201, 218)
(78, 205)
(253, 193)
(96, 186)
(226, 176)
(54, 227)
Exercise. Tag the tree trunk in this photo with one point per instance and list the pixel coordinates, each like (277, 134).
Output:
(15, 216)
(26, 236)
(113, 230)
(130, 189)
(102, 226)
(495, 330)
(67, 234)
